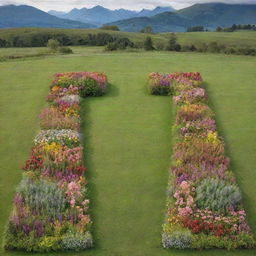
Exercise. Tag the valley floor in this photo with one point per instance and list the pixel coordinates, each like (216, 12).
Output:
(127, 138)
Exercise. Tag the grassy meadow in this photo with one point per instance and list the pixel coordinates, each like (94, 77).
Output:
(127, 138)
(238, 38)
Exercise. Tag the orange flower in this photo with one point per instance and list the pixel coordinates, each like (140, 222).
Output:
(55, 88)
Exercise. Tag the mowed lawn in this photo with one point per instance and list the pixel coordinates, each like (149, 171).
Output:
(127, 139)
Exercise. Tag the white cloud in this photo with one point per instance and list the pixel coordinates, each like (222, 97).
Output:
(66, 5)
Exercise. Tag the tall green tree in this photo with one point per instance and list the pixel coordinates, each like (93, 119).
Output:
(148, 44)
(172, 44)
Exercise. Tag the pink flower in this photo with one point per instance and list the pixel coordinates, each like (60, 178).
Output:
(184, 185)
(185, 211)
(72, 202)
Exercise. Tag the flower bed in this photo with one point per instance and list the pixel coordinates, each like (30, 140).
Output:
(204, 206)
(51, 205)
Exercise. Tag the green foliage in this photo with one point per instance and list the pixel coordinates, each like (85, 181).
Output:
(216, 195)
(90, 87)
(53, 45)
(119, 44)
(172, 44)
(160, 90)
(147, 30)
(195, 29)
(3, 43)
(236, 27)
(242, 240)
(111, 47)
(65, 50)
(42, 196)
(148, 44)
(49, 243)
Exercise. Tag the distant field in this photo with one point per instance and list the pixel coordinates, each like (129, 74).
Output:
(241, 38)
(128, 138)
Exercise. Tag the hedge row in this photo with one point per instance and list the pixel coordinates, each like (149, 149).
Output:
(51, 205)
(204, 206)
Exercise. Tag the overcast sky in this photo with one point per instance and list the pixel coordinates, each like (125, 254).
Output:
(66, 5)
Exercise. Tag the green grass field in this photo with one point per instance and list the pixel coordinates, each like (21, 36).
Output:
(128, 139)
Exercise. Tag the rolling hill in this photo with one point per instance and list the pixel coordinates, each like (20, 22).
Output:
(208, 15)
(12, 16)
(218, 14)
(163, 22)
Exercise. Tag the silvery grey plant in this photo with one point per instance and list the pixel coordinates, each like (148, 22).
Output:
(77, 241)
(217, 195)
(42, 196)
(177, 239)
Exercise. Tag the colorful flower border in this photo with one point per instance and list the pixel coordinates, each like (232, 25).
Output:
(51, 205)
(204, 205)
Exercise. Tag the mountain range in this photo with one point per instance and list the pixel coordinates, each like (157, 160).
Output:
(99, 15)
(12, 16)
(208, 15)
(161, 19)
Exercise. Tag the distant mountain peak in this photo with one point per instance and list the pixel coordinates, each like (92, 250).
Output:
(98, 7)
(28, 16)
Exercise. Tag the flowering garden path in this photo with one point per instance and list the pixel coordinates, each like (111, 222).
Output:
(128, 140)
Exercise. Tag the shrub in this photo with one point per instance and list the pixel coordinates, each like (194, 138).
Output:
(148, 44)
(77, 241)
(65, 50)
(111, 47)
(216, 195)
(53, 45)
(90, 87)
(172, 44)
(148, 30)
(177, 240)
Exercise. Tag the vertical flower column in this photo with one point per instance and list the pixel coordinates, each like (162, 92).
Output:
(51, 203)
(204, 206)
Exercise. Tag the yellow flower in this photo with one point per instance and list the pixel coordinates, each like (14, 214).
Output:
(212, 137)
(52, 147)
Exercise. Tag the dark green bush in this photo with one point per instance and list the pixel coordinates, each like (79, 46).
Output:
(89, 87)
(160, 90)
(65, 50)
(148, 44)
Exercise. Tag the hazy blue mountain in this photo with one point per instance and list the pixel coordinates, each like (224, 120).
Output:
(208, 15)
(26, 16)
(164, 22)
(218, 14)
(157, 10)
(57, 13)
(99, 15)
